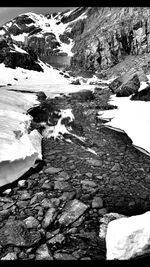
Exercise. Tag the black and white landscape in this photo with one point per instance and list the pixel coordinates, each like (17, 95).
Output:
(74, 135)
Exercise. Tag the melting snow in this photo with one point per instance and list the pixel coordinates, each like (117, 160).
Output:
(132, 117)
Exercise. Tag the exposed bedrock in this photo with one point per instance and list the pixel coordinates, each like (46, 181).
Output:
(13, 58)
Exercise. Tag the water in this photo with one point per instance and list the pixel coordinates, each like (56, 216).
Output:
(57, 61)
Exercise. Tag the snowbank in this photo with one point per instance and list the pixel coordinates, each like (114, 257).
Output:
(132, 117)
(18, 148)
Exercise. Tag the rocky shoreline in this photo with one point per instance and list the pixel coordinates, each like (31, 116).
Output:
(54, 211)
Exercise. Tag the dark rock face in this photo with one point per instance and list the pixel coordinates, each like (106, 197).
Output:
(109, 35)
(130, 87)
(143, 95)
(12, 58)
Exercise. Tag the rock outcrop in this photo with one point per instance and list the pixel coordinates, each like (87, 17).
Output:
(12, 56)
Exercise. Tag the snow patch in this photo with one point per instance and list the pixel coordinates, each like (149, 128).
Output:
(132, 118)
(20, 50)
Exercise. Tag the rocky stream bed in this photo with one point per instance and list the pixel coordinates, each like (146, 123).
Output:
(53, 212)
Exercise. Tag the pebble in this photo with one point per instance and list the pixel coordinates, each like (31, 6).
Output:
(7, 192)
(37, 198)
(21, 183)
(22, 204)
(63, 256)
(49, 217)
(62, 185)
(25, 195)
(47, 203)
(116, 167)
(43, 253)
(52, 170)
(97, 202)
(95, 162)
(88, 183)
(59, 238)
(102, 211)
(47, 186)
(31, 222)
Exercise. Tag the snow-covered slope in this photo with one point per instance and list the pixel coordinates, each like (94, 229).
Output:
(21, 76)
(47, 35)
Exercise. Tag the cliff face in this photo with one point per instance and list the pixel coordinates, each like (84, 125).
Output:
(111, 34)
(96, 38)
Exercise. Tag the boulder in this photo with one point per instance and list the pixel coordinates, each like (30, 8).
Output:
(130, 87)
(115, 84)
(143, 95)
(128, 238)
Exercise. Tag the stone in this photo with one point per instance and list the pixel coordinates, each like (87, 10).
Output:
(71, 212)
(130, 87)
(57, 239)
(62, 185)
(102, 211)
(128, 238)
(63, 175)
(97, 202)
(63, 256)
(22, 203)
(47, 203)
(16, 233)
(7, 192)
(68, 196)
(89, 174)
(49, 217)
(37, 198)
(10, 256)
(88, 183)
(31, 222)
(43, 253)
(25, 195)
(52, 170)
(95, 162)
(116, 167)
(105, 220)
(4, 214)
(47, 186)
(21, 183)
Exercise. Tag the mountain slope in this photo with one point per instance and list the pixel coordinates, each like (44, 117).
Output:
(96, 38)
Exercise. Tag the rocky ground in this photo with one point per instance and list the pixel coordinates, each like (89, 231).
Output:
(54, 211)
